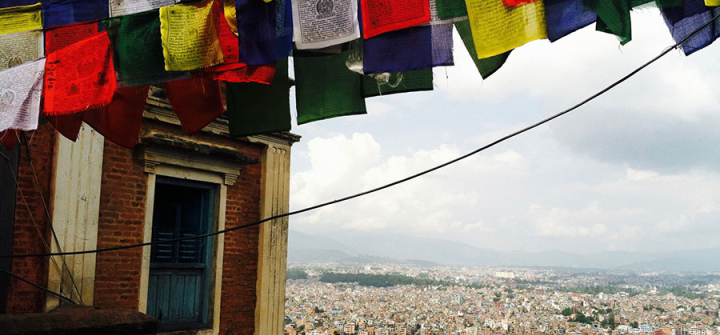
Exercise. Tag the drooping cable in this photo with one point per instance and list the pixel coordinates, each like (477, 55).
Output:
(38, 286)
(406, 179)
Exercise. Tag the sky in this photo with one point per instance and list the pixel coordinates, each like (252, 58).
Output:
(637, 169)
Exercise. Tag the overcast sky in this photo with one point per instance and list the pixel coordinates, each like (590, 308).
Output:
(638, 169)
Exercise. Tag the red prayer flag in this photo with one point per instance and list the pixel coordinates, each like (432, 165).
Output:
(63, 36)
(76, 83)
(67, 125)
(515, 3)
(262, 74)
(229, 42)
(196, 102)
(381, 16)
(121, 121)
(8, 138)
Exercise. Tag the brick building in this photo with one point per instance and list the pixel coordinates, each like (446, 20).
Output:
(100, 195)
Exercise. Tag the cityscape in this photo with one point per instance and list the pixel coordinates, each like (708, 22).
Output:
(401, 299)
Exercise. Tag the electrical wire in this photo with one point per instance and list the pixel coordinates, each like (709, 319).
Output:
(406, 179)
(38, 286)
(47, 213)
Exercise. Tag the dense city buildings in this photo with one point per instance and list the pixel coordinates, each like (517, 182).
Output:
(489, 301)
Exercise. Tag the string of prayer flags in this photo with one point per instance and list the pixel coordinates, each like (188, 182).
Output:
(442, 44)
(517, 2)
(692, 15)
(74, 84)
(323, 23)
(189, 38)
(265, 31)
(613, 16)
(127, 7)
(259, 109)
(397, 82)
(400, 50)
(120, 121)
(565, 17)
(196, 102)
(497, 28)
(325, 87)
(382, 16)
(262, 74)
(486, 66)
(60, 37)
(19, 48)
(139, 52)
(20, 94)
(451, 9)
(20, 18)
(64, 12)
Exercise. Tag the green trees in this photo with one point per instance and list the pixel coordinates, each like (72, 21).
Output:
(296, 274)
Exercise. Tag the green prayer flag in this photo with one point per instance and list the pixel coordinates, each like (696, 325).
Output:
(397, 82)
(613, 17)
(325, 87)
(486, 66)
(138, 50)
(255, 108)
(450, 9)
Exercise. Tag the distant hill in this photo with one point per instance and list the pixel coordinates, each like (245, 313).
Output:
(388, 248)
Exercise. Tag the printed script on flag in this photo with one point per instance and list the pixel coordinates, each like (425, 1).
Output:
(20, 93)
(324, 23)
(20, 48)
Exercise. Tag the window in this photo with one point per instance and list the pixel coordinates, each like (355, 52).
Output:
(179, 278)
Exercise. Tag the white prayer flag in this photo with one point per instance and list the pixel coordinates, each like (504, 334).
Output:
(20, 93)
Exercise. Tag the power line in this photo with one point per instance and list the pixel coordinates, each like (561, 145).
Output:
(38, 286)
(406, 179)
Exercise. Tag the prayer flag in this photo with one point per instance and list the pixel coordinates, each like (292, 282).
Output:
(712, 3)
(74, 84)
(67, 125)
(382, 16)
(497, 28)
(20, 94)
(400, 50)
(451, 9)
(566, 16)
(265, 31)
(189, 38)
(397, 82)
(21, 18)
(139, 52)
(60, 37)
(127, 7)
(15, 3)
(20, 48)
(326, 88)
(229, 43)
(324, 23)
(486, 66)
(230, 14)
(121, 120)
(64, 12)
(518, 2)
(692, 15)
(259, 109)
(263, 74)
(613, 17)
(442, 44)
(8, 138)
(196, 102)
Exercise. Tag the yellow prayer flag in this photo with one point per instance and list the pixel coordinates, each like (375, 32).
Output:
(20, 18)
(189, 38)
(231, 15)
(497, 28)
(712, 3)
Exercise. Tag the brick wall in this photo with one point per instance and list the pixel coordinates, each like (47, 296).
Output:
(22, 297)
(121, 222)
